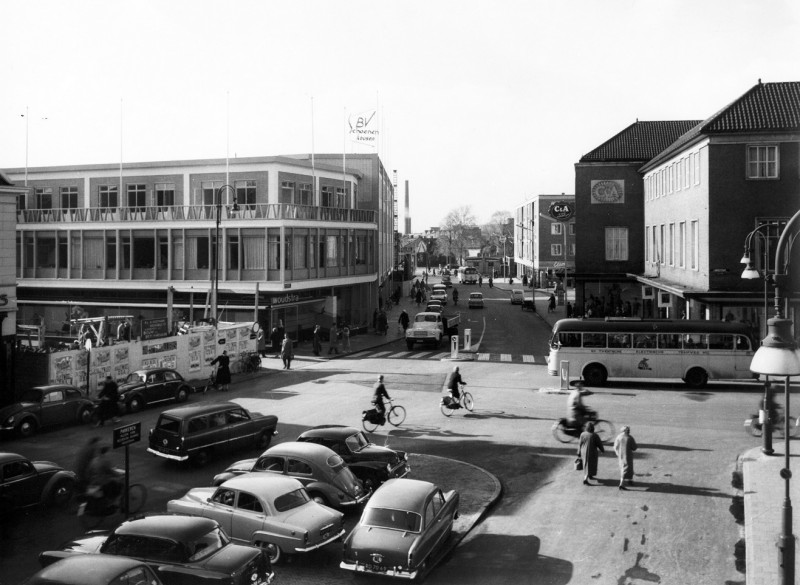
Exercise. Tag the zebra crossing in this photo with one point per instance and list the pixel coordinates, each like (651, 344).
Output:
(439, 355)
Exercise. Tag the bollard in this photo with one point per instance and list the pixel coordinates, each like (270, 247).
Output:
(564, 367)
(467, 338)
(454, 347)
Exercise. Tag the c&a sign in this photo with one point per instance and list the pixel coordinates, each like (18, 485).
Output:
(561, 210)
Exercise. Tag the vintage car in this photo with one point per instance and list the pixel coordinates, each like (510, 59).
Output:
(46, 406)
(25, 483)
(95, 570)
(439, 293)
(447, 280)
(322, 472)
(370, 463)
(475, 300)
(195, 433)
(150, 386)
(182, 550)
(402, 527)
(517, 296)
(273, 512)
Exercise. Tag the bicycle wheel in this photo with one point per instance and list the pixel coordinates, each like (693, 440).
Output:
(605, 430)
(446, 410)
(397, 415)
(369, 426)
(137, 496)
(560, 432)
(467, 401)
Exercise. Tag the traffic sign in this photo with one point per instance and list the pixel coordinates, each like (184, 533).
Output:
(127, 434)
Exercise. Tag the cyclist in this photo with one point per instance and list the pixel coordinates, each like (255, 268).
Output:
(576, 409)
(452, 384)
(378, 394)
(104, 480)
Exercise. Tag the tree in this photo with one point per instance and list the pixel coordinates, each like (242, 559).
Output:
(454, 229)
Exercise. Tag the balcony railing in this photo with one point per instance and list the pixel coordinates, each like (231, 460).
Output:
(195, 213)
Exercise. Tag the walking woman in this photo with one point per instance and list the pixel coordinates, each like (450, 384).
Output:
(588, 449)
(223, 377)
(624, 446)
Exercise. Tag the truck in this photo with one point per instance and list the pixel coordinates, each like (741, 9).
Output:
(430, 327)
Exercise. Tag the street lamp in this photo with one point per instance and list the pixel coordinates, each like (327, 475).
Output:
(778, 356)
(215, 273)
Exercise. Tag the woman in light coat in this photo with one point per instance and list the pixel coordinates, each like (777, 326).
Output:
(624, 446)
(588, 449)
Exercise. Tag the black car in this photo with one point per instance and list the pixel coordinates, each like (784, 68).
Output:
(46, 406)
(153, 385)
(95, 570)
(25, 483)
(182, 550)
(370, 463)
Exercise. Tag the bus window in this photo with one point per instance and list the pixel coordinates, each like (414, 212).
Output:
(669, 341)
(695, 341)
(742, 343)
(644, 341)
(619, 340)
(594, 340)
(569, 339)
(720, 341)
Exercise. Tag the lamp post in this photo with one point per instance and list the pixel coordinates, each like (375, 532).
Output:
(778, 356)
(215, 273)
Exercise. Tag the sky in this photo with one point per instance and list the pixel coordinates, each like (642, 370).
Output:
(480, 104)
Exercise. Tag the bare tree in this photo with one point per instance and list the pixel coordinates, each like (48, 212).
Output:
(453, 234)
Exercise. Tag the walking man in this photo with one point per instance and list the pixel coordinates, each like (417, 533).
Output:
(287, 351)
(317, 341)
(624, 446)
(404, 320)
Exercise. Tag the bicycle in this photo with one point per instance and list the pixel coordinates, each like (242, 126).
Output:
(565, 431)
(211, 383)
(465, 400)
(95, 509)
(372, 419)
(250, 362)
(754, 426)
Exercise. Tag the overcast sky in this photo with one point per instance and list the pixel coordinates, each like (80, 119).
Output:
(481, 103)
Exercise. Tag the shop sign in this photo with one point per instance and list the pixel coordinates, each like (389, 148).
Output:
(609, 191)
(561, 210)
(286, 299)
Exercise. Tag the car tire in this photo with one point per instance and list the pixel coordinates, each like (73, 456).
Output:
(264, 439)
(200, 459)
(273, 551)
(182, 395)
(62, 493)
(85, 415)
(27, 427)
(135, 404)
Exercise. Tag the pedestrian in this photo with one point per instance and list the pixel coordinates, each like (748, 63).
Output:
(404, 320)
(419, 296)
(275, 339)
(569, 310)
(333, 342)
(375, 320)
(109, 396)
(287, 351)
(261, 342)
(624, 446)
(383, 323)
(480, 280)
(82, 462)
(346, 338)
(223, 376)
(317, 340)
(588, 448)
(524, 280)
(551, 303)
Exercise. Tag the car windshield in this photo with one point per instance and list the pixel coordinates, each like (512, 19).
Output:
(134, 378)
(475, 296)
(357, 441)
(424, 318)
(31, 396)
(291, 500)
(393, 519)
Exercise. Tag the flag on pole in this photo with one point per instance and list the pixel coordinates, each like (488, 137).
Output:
(363, 127)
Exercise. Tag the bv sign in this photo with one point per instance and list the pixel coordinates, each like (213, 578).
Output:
(561, 210)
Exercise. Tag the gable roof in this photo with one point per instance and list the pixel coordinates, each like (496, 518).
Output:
(766, 107)
(640, 141)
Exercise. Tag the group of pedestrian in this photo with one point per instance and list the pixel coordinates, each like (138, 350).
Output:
(339, 339)
(590, 447)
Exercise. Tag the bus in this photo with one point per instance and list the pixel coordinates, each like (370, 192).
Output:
(467, 275)
(694, 351)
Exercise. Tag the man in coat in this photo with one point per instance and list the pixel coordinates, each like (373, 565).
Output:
(287, 351)
(275, 339)
(404, 320)
(588, 450)
(223, 377)
(317, 341)
(624, 446)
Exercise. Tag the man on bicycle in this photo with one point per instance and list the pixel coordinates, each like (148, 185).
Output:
(452, 385)
(577, 411)
(378, 394)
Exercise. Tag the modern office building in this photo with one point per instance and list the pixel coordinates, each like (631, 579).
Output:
(300, 240)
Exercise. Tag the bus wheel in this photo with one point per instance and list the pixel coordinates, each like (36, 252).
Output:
(696, 378)
(595, 375)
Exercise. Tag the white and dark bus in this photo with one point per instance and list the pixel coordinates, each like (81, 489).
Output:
(467, 275)
(694, 351)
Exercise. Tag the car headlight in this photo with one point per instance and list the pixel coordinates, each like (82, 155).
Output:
(10, 420)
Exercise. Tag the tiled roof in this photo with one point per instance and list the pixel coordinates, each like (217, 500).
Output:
(766, 107)
(640, 141)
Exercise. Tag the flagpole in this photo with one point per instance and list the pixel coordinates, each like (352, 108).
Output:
(119, 201)
(344, 147)
(227, 136)
(315, 199)
(27, 117)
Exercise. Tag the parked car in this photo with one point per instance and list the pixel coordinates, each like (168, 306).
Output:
(403, 525)
(322, 472)
(150, 386)
(25, 483)
(95, 570)
(370, 463)
(446, 280)
(273, 512)
(195, 433)
(434, 306)
(182, 550)
(46, 406)
(517, 296)
(475, 300)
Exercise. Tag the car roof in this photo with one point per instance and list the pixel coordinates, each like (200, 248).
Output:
(151, 370)
(196, 409)
(50, 387)
(475, 294)
(263, 484)
(173, 526)
(6, 457)
(517, 290)
(85, 569)
(401, 494)
(331, 431)
(301, 449)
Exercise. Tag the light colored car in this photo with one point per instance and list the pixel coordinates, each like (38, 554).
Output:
(402, 527)
(446, 280)
(439, 293)
(475, 300)
(95, 570)
(273, 512)
(517, 296)
(434, 306)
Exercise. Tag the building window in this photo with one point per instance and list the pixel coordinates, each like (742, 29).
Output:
(246, 193)
(274, 251)
(253, 249)
(163, 252)
(197, 252)
(572, 229)
(762, 162)
(361, 249)
(93, 252)
(299, 251)
(332, 250)
(327, 196)
(177, 252)
(696, 156)
(341, 198)
(682, 244)
(695, 245)
(304, 194)
(233, 252)
(556, 229)
(165, 194)
(556, 250)
(108, 196)
(661, 232)
(44, 198)
(63, 251)
(69, 197)
(137, 197)
(125, 252)
(111, 252)
(21, 201)
(616, 244)
(671, 246)
(287, 192)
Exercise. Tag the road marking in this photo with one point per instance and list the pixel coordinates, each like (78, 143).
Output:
(381, 353)
(505, 357)
(402, 354)
(484, 357)
(529, 359)
(439, 356)
(416, 356)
